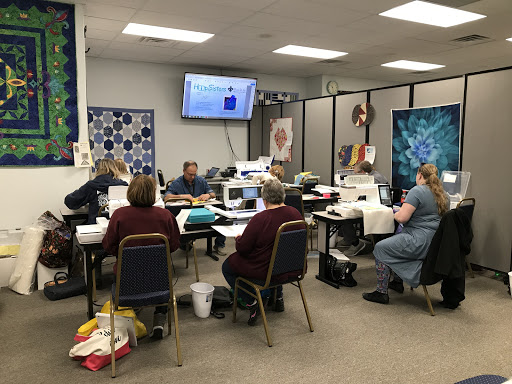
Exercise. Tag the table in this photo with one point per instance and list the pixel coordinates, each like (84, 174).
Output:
(328, 226)
(70, 215)
(89, 247)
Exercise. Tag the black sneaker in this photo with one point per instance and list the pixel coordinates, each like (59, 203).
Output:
(397, 286)
(279, 305)
(376, 297)
(254, 311)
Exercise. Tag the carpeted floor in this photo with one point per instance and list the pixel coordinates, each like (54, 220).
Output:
(354, 341)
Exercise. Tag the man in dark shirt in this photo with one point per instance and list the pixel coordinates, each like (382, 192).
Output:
(191, 186)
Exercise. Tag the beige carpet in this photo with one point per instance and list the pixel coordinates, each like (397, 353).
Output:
(354, 341)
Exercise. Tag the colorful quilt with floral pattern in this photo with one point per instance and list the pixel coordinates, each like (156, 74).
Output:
(424, 135)
(38, 90)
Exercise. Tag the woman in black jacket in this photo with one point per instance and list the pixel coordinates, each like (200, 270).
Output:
(95, 191)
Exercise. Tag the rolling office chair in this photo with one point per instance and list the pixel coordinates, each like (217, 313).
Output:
(468, 205)
(144, 279)
(175, 210)
(288, 255)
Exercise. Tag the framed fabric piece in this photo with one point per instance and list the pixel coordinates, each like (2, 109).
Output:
(424, 135)
(281, 137)
(38, 88)
(126, 134)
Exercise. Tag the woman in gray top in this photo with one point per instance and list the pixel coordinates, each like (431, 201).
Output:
(404, 253)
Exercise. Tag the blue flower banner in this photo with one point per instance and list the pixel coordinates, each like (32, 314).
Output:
(424, 135)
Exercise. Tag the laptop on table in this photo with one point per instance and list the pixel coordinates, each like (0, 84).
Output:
(212, 172)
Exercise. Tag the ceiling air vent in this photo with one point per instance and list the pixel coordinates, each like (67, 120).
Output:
(156, 42)
(470, 38)
(332, 62)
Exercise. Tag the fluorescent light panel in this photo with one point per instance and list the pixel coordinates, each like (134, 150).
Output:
(166, 33)
(297, 50)
(433, 14)
(509, 39)
(414, 65)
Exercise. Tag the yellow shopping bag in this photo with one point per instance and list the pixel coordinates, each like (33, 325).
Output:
(140, 328)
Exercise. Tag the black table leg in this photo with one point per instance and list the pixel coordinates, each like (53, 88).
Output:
(88, 271)
(209, 249)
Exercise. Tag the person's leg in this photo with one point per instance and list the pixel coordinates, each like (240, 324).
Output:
(159, 319)
(220, 243)
(397, 284)
(350, 238)
(380, 295)
(230, 277)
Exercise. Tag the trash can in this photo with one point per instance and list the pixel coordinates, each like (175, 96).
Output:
(202, 296)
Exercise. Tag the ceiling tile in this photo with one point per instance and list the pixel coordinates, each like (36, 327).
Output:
(104, 24)
(179, 22)
(111, 12)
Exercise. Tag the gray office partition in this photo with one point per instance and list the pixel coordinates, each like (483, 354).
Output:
(381, 129)
(269, 112)
(487, 138)
(318, 138)
(255, 133)
(439, 92)
(345, 132)
(295, 111)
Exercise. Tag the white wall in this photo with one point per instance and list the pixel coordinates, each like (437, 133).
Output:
(130, 84)
(26, 192)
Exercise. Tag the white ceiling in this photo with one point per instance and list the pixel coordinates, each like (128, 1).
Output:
(247, 31)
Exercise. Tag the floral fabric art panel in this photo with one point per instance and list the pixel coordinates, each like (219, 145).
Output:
(424, 135)
(38, 88)
(281, 137)
(126, 134)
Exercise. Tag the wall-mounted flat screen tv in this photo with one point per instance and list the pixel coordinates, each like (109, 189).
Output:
(218, 97)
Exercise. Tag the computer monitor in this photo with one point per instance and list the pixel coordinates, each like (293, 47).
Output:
(212, 172)
(385, 195)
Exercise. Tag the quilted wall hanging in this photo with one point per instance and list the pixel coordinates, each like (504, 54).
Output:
(38, 89)
(126, 134)
(281, 137)
(424, 135)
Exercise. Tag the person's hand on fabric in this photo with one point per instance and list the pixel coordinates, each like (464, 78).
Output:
(204, 197)
(188, 197)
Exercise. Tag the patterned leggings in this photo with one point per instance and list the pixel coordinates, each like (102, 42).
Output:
(383, 274)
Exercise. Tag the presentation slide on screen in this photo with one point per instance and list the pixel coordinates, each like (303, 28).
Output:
(218, 97)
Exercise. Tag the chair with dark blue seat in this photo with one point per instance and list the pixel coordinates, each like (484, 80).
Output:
(484, 379)
(293, 198)
(288, 255)
(144, 279)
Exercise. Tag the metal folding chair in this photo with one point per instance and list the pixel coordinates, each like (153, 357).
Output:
(144, 279)
(288, 255)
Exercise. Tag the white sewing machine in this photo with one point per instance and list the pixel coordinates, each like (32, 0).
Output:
(245, 168)
(234, 193)
(359, 185)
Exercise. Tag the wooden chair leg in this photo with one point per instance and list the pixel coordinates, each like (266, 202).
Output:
(264, 317)
(306, 307)
(112, 338)
(195, 260)
(429, 303)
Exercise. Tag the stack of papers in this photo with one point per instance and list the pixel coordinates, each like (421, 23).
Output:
(230, 230)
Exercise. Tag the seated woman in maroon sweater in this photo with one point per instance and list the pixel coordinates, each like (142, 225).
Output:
(142, 218)
(254, 247)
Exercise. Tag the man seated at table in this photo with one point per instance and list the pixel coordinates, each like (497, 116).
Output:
(191, 186)
(350, 238)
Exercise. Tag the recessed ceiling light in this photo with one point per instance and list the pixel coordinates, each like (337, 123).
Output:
(297, 50)
(166, 33)
(414, 65)
(433, 14)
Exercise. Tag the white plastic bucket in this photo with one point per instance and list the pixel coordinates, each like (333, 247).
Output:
(202, 296)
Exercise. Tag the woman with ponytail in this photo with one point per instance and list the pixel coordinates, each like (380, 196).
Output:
(404, 253)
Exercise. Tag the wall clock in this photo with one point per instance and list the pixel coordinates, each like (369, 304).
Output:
(332, 87)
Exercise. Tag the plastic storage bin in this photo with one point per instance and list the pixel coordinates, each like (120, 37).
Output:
(455, 183)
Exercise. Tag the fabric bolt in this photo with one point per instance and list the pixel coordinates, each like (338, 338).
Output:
(404, 253)
(383, 274)
(91, 193)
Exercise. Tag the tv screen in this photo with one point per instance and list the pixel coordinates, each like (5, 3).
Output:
(218, 97)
